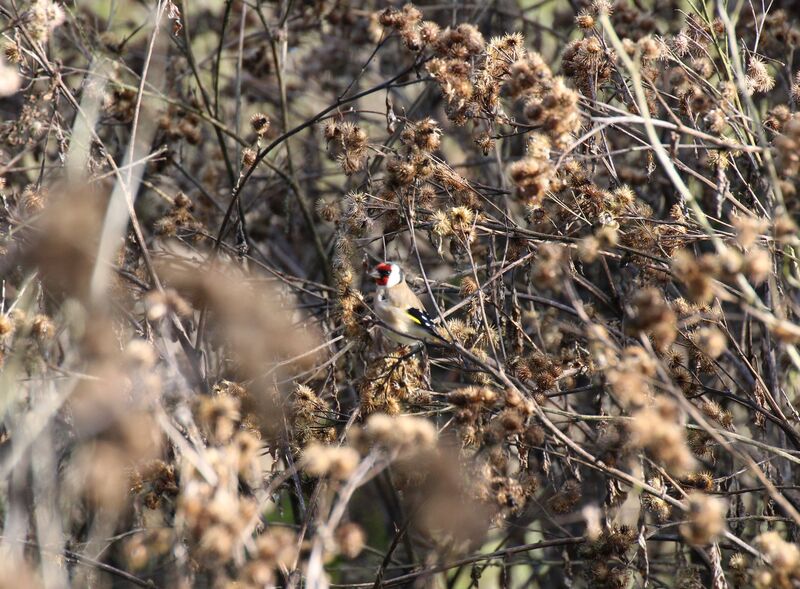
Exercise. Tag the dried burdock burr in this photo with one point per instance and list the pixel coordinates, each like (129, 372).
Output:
(706, 519)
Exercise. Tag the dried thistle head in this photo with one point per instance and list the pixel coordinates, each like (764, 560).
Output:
(44, 17)
(656, 429)
(10, 80)
(529, 76)
(219, 415)
(11, 52)
(656, 505)
(783, 556)
(424, 135)
(7, 326)
(567, 497)
(406, 436)
(462, 331)
(460, 42)
(630, 376)
(602, 7)
(350, 540)
(462, 221)
(758, 78)
(534, 175)
(652, 315)
(337, 462)
(260, 123)
(347, 143)
(711, 341)
(696, 274)
(585, 21)
(738, 562)
(757, 265)
(42, 327)
(551, 262)
(706, 519)
(249, 158)
(557, 112)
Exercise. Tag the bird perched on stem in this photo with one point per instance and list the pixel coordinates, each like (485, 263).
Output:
(399, 307)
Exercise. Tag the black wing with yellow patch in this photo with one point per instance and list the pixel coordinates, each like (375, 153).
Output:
(422, 319)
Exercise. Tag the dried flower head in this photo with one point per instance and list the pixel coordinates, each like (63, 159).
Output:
(534, 176)
(758, 78)
(757, 265)
(260, 123)
(220, 416)
(706, 519)
(11, 52)
(711, 341)
(567, 497)
(653, 316)
(550, 265)
(249, 157)
(350, 538)
(404, 435)
(42, 327)
(337, 462)
(6, 326)
(423, 135)
(656, 505)
(10, 80)
(45, 17)
(585, 21)
(656, 428)
(782, 555)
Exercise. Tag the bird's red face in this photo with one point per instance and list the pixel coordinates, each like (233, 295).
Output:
(386, 274)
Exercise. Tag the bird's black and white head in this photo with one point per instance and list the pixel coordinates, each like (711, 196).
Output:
(387, 274)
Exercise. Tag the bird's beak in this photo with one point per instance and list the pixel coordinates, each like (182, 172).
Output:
(375, 274)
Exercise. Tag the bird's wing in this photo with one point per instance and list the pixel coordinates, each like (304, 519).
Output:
(421, 318)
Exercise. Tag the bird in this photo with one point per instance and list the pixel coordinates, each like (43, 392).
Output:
(399, 308)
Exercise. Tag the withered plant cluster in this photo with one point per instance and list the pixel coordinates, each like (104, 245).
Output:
(597, 201)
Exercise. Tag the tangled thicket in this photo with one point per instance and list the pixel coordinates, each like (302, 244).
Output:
(598, 200)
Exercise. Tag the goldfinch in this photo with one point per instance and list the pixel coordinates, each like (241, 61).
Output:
(399, 308)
